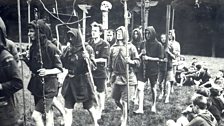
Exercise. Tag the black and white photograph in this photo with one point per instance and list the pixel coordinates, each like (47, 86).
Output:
(111, 62)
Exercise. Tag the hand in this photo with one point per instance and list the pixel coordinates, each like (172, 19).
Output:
(163, 60)
(129, 61)
(85, 54)
(143, 52)
(1, 87)
(42, 72)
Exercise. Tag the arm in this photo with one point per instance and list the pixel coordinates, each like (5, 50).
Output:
(56, 63)
(134, 59)
(14, 82)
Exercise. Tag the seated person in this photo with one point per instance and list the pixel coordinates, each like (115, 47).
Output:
(217, 106)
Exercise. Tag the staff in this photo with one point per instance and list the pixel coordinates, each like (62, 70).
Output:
(84, 8)
(40, 59)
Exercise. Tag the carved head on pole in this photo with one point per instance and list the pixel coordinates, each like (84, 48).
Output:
(105, 6)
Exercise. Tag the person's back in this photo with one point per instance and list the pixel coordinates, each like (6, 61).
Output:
(203, 119)
(202, 116)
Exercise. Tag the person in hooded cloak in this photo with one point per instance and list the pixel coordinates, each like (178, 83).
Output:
(152, 55)
(43, 92)
(77, 86)
(117, 68)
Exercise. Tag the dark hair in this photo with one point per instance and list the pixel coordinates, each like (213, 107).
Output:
(198, 67)
(201, 102)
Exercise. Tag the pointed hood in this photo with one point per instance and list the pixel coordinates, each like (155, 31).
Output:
(152, 32)
(172, 32)
(77, 42)
(44, 29)
(124, 32)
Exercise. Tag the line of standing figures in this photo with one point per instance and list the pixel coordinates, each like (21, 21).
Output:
(89, 67)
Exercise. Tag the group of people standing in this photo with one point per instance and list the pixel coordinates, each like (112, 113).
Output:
(89, 66)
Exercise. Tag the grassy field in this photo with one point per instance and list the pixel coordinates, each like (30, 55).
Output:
(178, 101)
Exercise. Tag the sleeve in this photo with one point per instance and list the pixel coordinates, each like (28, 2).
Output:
(91, 53)
(15, 80)
(160, 51)
(110, 60)
(56, 59)
(135, 56)
(63, 55)
(105, 51)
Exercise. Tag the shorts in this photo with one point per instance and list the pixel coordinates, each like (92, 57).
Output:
(40, 105)
(121, 92)
(70, 102)
(161, 76)
(153, 79)
(100, 84)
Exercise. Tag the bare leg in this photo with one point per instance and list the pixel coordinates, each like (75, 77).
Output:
(94, 114)
(57, 104)
(168, 92)
(37, 116)
(101, 102)
(161, 87)
(124, 116)
(118, 103)
(154, 95)
(140, 97)
(68, 117)
(50, 118)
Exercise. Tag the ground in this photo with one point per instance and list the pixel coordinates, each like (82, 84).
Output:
(179, 100)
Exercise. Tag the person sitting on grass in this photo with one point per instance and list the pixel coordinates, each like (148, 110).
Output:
(185, 73)
(217, 106)
(201, 115)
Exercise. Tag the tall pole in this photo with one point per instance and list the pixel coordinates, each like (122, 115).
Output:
(127, 51)
(172, 20)
(168, 9)
(28, 12)
(20, 46)
(105, 6)
(84, 27)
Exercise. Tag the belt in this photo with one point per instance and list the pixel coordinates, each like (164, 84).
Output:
(36, 75)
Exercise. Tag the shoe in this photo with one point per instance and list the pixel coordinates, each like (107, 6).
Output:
(167, 100)
(138, 112)
(118, 108)
(153, 109)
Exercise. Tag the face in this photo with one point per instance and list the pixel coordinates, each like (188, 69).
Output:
(110, 36)
(170, 36)
(31, 34)
(119, 35)
(135, 35)
(147, 35)
(71, 39)
(163, 38)
(95, 32)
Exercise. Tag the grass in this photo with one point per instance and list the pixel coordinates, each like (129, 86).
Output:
(178, 101)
